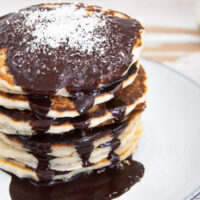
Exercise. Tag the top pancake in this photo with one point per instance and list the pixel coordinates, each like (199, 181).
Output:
(65, 48)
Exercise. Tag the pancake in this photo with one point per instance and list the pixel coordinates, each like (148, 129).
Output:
(96, 54)
(63, 106)
(26, 123)
(25, 165)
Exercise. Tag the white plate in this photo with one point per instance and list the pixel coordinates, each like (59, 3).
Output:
(170, 145)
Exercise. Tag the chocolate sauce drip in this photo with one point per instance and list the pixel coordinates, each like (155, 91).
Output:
(117, 107)
(44, 173)
(39, 142)
(36, 143)
(40, 125)
(81, 122)
(111, 183)
(40, 105)
(65, 66)
(84, 148)
(83, 102)
(114, 144)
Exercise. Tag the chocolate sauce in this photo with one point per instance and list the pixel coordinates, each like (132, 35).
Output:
(111, 183)
(47, 69)
(83, 102)
(39, 146)
(84, 148)
(40, 105)
(114, 144)
(44, 173)
(40, 125)
(113, 157)
(117, 107)
(36, 143)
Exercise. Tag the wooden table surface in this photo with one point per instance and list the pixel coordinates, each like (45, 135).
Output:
(175, 47)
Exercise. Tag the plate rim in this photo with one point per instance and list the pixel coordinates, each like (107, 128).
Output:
(173, 70)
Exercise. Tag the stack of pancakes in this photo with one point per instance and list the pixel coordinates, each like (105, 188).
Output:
(72, 90)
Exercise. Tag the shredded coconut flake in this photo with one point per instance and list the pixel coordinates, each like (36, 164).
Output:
(66, 23)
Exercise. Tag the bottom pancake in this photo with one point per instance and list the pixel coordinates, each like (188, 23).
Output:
(25, 164)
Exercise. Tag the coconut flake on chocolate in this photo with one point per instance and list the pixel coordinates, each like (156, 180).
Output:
(52, 28)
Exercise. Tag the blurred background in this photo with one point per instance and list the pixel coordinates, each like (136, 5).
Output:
(172, 28)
